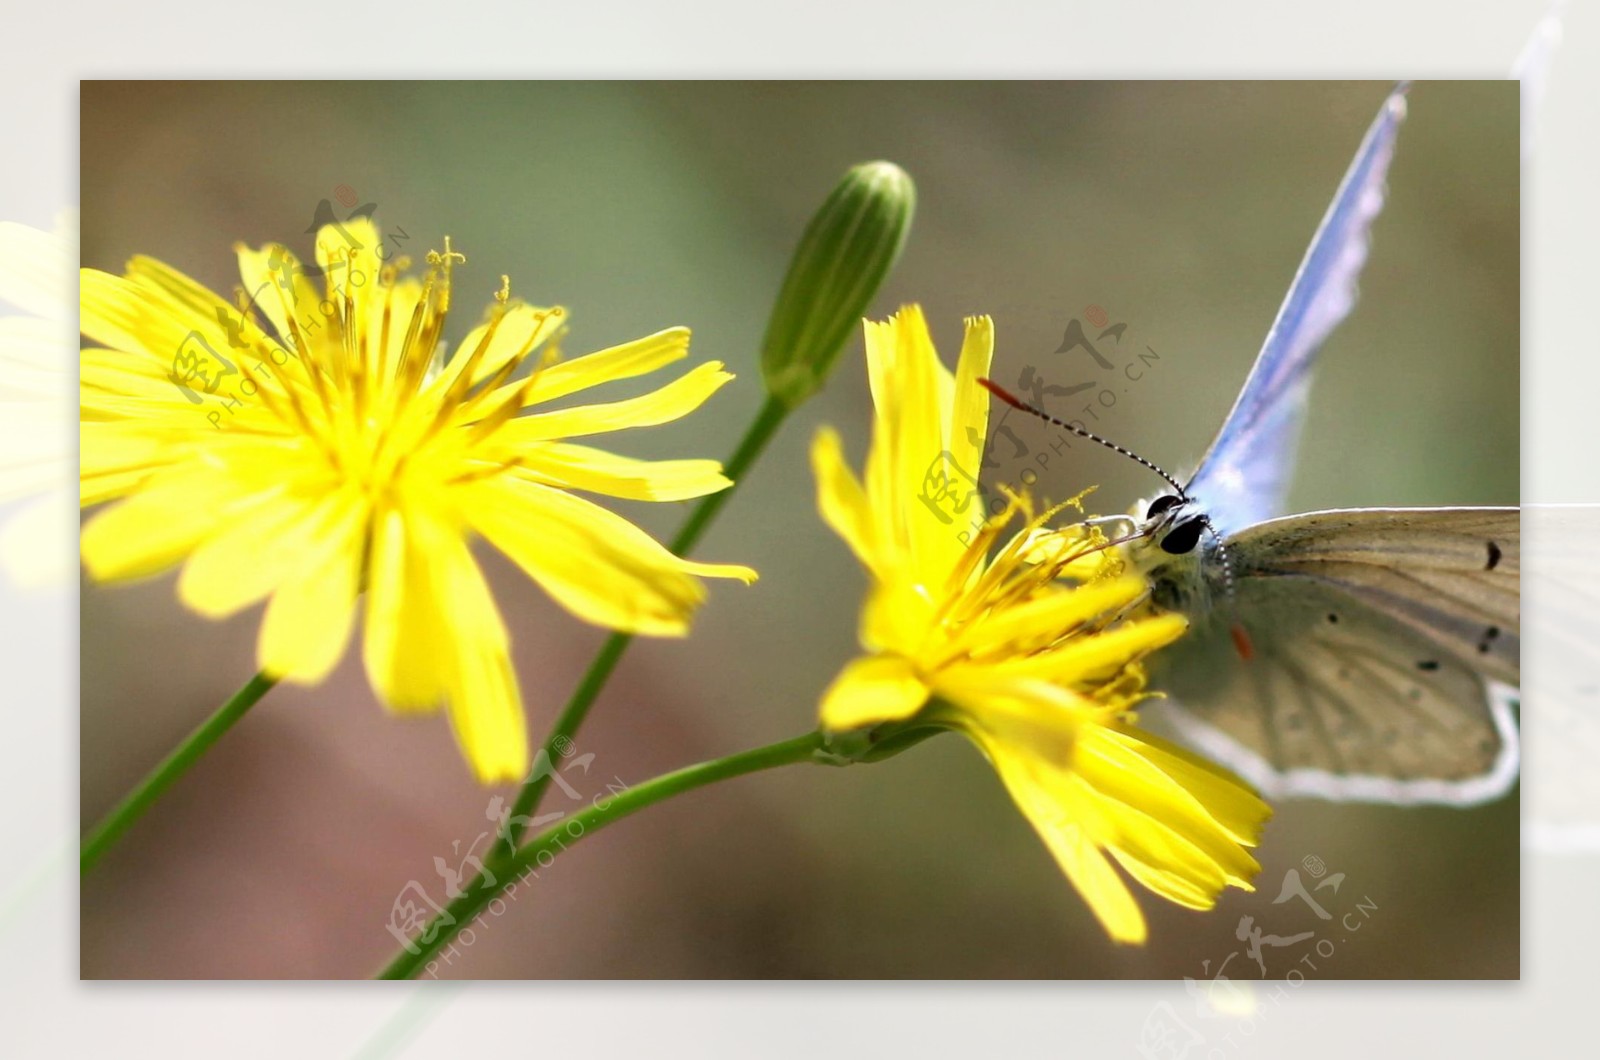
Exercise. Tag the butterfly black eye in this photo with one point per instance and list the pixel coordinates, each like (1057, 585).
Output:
(1161, 504)
(1184, 537)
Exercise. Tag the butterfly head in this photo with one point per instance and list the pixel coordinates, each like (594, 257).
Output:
(1174, 523)
(1170, 548)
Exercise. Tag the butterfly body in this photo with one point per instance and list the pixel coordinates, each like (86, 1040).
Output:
(1371, 633)
(1172, 551)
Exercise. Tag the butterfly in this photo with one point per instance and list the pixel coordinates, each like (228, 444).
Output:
(1364, 654)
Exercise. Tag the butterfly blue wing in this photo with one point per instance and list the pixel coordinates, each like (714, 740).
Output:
(1244, 476)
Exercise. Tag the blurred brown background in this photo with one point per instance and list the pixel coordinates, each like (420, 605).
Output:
(1182, 209)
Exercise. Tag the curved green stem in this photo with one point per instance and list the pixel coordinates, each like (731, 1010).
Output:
(594, 680)
(501, 873)
(130, 809)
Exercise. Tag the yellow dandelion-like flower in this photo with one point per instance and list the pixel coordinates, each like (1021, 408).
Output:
(326, 446)
(1028, 646)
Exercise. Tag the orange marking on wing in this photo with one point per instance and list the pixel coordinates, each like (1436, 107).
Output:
(1241, 643)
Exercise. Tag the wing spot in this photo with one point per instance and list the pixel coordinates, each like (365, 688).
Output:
(1333, 618)
(1415, 694)
(1427, 664)
(1494, 556)
(1488, 637)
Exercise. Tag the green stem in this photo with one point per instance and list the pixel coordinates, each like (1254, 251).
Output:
(501, 873)
(755, 439)
(130, 809)
(571, 718)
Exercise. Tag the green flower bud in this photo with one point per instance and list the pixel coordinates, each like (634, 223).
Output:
(843, 258)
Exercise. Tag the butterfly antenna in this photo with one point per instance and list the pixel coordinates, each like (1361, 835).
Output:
(1241, 639)
(1017, 403)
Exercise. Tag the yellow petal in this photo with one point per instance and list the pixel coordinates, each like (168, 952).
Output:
(922, 442)
(260, 543)
(114, 457)
(112, 310)
(485, 703)
(435, 636)
(1030, 745)
(896, 615)
(1226, 799)
(1092, 659)
(307, 624)
(840, 498)
(406, 643)
(597, 471)
(161, 524)
(595, 563)
(673, 401)
(197, 304)
(626, 361)
(276, 283)
(1160, 821)
(1174, 867)
(1051, 614)
(1086, 867)
(347, 254)
(128, 374)
(388, 317)
(969, 423)
(872, 690)
(911, 455)
(881, 480)
(486, 714)
(489, 347)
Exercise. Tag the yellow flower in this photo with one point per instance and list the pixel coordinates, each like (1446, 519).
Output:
(327, 447)
(35, 398)
(1039, 673)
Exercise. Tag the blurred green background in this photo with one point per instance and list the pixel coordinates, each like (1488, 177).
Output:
(1181, 209)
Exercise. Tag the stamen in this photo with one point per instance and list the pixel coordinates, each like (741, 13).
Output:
(354, 339)
(491, 390)
(440, 266)
(382, 366)
(313, 369)
(405, 375)
(446, 261)
(251, 313)
(290, 391)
